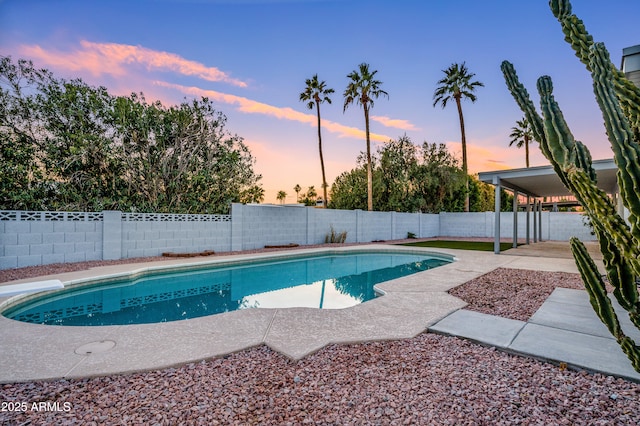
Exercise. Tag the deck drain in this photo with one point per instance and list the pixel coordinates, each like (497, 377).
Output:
(95, 347)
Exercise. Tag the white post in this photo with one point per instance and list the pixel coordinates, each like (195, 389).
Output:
(535, 221)
(528, 216)
(540, 220)
(515, 219)
(496, 231)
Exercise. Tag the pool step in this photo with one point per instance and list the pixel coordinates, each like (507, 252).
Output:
(32, 287)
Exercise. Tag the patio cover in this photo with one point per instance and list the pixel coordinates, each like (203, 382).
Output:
(539, 182)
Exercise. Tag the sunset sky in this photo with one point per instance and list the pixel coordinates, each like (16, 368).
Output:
(251, 57)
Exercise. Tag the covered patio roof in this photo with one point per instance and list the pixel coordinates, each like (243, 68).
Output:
(539, 182)
(542, 181)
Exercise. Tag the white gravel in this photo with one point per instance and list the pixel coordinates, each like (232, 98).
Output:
(427, 380)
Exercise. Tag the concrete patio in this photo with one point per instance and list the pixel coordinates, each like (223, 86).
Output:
(410, 306)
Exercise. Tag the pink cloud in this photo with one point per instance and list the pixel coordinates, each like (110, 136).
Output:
(111, 58)
(396, 123)
(285, 113)
(484, 156)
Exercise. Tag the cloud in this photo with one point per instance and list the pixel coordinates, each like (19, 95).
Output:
(115, 60)
(396, 123)
(112, 58)
(483, 156)
(284, 113)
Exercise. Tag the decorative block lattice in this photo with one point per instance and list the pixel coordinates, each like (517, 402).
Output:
(15, 215)
(171, 217)
(50, 216)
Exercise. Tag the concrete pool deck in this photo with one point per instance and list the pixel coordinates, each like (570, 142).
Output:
(411, 305)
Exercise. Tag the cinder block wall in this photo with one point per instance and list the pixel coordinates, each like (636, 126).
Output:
(39, 238)
(563, 226)
(255, 226)
(557, 226)
(374, 226)
(174, 233)
(321, 221)
(466, 224)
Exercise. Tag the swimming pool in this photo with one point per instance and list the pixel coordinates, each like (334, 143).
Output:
(328, 281)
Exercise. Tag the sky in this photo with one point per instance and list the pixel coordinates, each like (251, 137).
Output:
(252, 57)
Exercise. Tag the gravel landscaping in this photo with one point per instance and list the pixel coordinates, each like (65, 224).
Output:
(513, 293)
(430, 379)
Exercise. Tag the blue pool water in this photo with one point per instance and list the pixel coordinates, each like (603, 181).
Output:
(326, 281)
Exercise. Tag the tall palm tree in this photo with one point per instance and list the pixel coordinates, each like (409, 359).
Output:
(314, 94)
(362, 90)
(297, 188)
(457, 85)
(281, 196)
(521, 135)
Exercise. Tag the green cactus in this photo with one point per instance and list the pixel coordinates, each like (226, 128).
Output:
(619, 101)
(581, 41)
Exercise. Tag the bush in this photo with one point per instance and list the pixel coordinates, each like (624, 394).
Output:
(335, 237)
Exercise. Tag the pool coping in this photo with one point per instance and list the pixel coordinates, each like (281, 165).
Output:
(409, 306)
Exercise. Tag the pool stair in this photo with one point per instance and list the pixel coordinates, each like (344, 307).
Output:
(30, 287)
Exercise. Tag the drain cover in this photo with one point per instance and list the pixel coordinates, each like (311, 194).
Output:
(95, 347)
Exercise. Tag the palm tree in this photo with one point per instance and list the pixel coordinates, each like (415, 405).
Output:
(281, 196)
(309, 198)
(297, 188)
(522, 135)
(362, 89)
(457, 84)
(253, 194)
(314, 94)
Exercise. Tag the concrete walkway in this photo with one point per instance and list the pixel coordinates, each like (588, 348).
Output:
(564, 329)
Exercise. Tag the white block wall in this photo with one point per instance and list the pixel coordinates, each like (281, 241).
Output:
(38, 238)
(141, 239)
(556, 226)
(466, 224)
(255, 226)
(405, 223)
(563, 226)
(321, 221)
(374, 226)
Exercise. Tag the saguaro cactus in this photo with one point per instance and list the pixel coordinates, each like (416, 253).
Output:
(619, 101)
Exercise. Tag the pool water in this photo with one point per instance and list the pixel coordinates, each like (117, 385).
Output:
(326, 281)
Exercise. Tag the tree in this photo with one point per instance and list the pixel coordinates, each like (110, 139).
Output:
(407, 178)
(253, 194)
(79, 154)
(65, 145)
(309, 198)
(362, 90)
(349, 190)
(181, 158)
(440, 180)
(396, 176)
(281, 196)
(521, 135)
(297, 188)
(314, 94)
(22, 183)
(457, 85)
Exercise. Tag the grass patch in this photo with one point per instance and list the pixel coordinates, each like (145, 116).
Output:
(461, 245)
